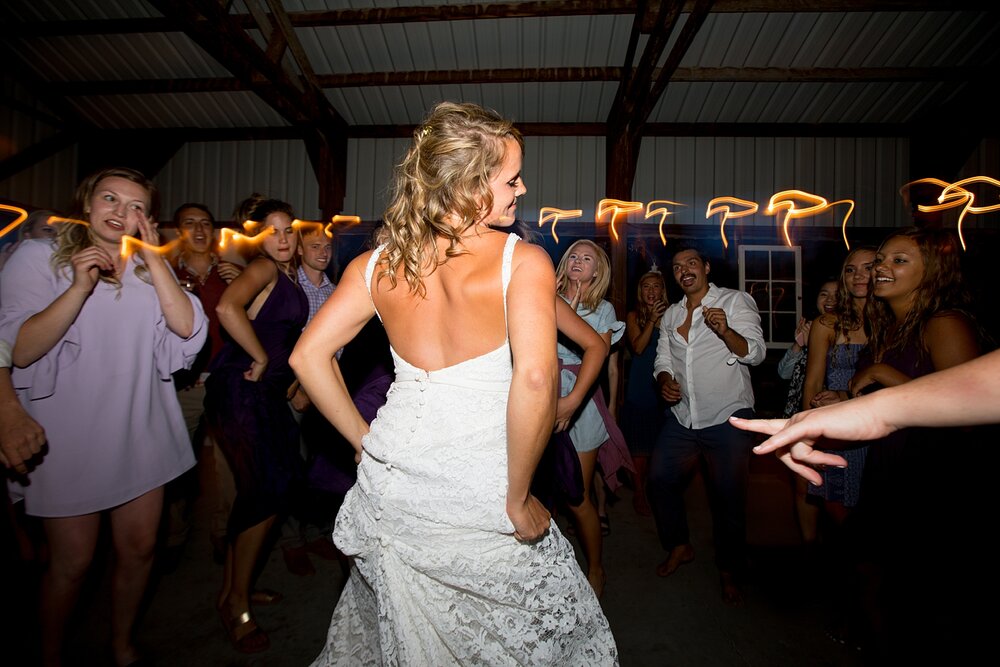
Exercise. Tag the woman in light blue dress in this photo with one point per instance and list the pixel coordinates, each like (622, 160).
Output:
(583, 275)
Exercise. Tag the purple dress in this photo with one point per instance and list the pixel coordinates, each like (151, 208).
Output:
(103, 393)
(251, 421)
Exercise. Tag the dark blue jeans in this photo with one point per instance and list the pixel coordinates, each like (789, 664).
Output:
(726, 453)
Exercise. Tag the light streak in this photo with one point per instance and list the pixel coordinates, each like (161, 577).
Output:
(55, 220)
(131, 243)
(617, 207)
(311, 226)
(22, 216)
(722, 205)
(348, 220)
(548, 213)
(786, 200)
(228, 234)
(955, 195)
(662, 212)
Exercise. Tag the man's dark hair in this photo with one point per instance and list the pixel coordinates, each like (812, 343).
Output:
(200, 207)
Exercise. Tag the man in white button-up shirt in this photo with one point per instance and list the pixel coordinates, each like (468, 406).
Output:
(707, 343)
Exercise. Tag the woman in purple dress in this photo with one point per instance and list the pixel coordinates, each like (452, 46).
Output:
(246, 404)
(97, 332)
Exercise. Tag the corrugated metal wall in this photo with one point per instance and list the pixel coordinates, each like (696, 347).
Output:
(50, 183)
(221, 174)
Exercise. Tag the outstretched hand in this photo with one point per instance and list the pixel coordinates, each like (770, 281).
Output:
(794, 443)
(530, 519)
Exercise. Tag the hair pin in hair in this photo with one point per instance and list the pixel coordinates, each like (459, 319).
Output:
(424, 131)
(653, 268)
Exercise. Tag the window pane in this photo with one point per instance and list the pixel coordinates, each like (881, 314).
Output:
(783, 265)
(761, 294)
(783, 296)
(757, 265)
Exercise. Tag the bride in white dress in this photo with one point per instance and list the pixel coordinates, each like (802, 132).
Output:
(454, 561)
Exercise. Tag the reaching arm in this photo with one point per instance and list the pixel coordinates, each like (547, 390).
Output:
(40, 332)
(20, 436)
(233, 315)
(178, 312)
(639, 337)
(964, 395)
(821, 336)
(613, 385)
(338, 321)
(595, 351)
(531, 323)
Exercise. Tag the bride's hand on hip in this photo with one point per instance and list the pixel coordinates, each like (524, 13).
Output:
(530, 519)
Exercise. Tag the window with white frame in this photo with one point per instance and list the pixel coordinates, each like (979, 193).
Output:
(772, 275)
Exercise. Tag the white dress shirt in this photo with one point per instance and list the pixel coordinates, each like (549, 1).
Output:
(715, 383)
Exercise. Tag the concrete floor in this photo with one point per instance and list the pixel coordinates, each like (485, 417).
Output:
(679, 621)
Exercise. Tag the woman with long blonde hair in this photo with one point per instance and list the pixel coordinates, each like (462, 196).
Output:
(582, 280)
(454, 561)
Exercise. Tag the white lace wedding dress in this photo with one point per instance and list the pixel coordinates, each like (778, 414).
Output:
(438, 578)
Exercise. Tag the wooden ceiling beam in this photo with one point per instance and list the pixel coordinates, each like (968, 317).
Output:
(372, 16)
(538, 75)
(866, 130)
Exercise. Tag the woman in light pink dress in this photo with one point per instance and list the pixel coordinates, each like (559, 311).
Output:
(96, 335)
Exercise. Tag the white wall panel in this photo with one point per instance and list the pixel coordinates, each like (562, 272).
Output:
(221, 174)
(693, 171)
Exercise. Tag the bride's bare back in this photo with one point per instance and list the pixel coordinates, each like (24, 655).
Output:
(460, 317)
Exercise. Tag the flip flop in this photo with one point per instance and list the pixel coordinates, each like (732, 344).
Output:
(254, 641)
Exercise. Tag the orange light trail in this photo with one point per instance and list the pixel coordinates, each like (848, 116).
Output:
(228, 234)
(722, 205)
(548, 213)
(22, 216)
(955, 195)
(786, 200)
(617, 207)
(348, 220)
(663, 212)
(130, 244)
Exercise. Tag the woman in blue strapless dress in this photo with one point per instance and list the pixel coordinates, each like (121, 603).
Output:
(835, 340)
(643, 409)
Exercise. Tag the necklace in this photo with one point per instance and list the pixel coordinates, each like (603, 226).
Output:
(181, 264)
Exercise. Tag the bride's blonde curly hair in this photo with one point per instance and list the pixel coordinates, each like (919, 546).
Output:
(445, 174)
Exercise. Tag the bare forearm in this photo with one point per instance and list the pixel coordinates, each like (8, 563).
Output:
(640, 341)
(236, 323)
(736, 343)
(530, 415)
(44, 329)
(177, 309)
(967, 394)
(325, 382)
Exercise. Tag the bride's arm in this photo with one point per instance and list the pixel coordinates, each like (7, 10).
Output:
(338, 321)
(531, 324)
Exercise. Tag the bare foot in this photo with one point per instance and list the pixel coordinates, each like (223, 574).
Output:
(597, 580)
(641, 505)
(731, 593)
(678, 556)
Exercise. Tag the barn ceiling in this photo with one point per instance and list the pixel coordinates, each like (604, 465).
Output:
(329, 70)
